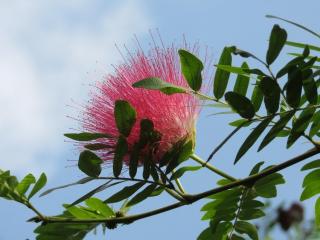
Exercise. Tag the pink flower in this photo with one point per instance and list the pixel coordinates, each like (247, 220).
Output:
(173, 116)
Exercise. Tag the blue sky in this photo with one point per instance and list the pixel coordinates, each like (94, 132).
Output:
(51, 51)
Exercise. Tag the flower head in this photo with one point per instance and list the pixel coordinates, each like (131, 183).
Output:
(173, 116)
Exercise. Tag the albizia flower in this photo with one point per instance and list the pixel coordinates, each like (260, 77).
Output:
(174, 116)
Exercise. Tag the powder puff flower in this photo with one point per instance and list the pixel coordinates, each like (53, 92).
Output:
(173, 116)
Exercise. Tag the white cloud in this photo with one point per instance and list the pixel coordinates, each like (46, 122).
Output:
(46, 49)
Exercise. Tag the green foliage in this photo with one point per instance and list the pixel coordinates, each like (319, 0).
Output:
(252, 138)
(120, 151)
(240, 104)
(191, 68)
(40, 183)
(58, 231)
(300, 125)
(311, 182)
(125, 117)
(145, 193)
(271, 92)
(125, 193)
(221, 76)
(242, 82)
(294, 87)
(96, 190)
(13, 189)
(81, 181)
(277, 40)
(159, 84)
(276, 129)
(180, 154)
(86, 136)
(94, 209)
(257, 97)
(181, 171)
(230, 211)
(89, 163)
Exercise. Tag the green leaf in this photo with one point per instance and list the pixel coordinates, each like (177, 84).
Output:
(58, 231)
(252, 138)
(271, 92)
(276, 129)
(257, 97)
(247, 228)
(120, 151)
(310, 191)
(38, 185)
(25, 183)
(311, 165)
(90, 163)
(125, 116)
(310, 87)
(256, 168)
(221, 76)
(96, 190)
(146, 131)
(300, 125)
(302, 45)
(124, 193)
(181, 171)
(283, 133)
(250, 214)
(294, 87)
(315, 127)
(98, 205)
(242, 53)
(147, 160)
(78, 212)
(242, 82)
(255, 71)
(86, 136)
(251, 204)
(142, 195)
(97, 146)
(312, 178)
(134, 159)
(183, 154)
(240, 104)
(233, 69)
(306, 51)
(294, 62)
(240, 122)
(317, 212)
(277, 40)
(81, 181)
(191, 68)
(158, 84)
(236, 237)
(266, 187)
(206, 234)
(157, 191)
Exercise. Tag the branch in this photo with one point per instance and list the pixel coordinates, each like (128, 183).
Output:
(212, 168)
(191, 198)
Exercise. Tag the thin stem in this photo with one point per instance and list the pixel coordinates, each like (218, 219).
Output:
(191, 198)
(212, 168)
(175, 194)
(226, 140)
(178, 182)
(30, 206)
(243, 196)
